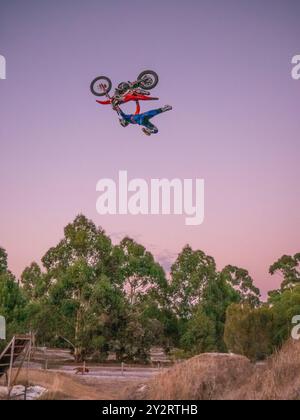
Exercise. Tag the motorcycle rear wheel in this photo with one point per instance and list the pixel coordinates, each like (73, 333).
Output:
(148, 79)
(101, 86)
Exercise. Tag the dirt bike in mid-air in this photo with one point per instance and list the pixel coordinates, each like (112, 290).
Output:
(131, 91)
(126, 91)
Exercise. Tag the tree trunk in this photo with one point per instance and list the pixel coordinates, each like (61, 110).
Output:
(78, 348)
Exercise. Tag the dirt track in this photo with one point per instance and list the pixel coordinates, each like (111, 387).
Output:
(55, 370)
(66, 386)
(102, 382)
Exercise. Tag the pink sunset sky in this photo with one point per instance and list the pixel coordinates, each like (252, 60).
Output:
(226, 69)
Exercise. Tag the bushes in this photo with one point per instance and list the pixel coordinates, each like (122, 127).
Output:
(200, 335)
(257, 332)
(102, 297)
(248, 331)
(284, 306)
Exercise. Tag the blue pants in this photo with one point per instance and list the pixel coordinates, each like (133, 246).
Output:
(143, 119)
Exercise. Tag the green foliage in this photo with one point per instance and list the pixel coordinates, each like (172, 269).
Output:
(289, 267)
(200, 335)
(248, 331)
(94, 298)
(3, 261)
(217, 297)
(190, 275)
(241, 281)
(284, 306)
(201, 296)
(205, 329)
(134, 341)
(256, 332)
(83, 287)
(139, 271)
(34, 282)
(12, 300)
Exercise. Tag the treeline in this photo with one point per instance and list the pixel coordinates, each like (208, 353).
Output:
(96, 298)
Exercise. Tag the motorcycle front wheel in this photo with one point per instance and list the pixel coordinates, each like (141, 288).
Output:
(148, 79)
(101, 86)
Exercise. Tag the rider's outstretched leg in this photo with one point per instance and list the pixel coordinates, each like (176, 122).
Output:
(150, 128)
(154, 112)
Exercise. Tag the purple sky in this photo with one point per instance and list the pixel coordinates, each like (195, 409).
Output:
(226, 69)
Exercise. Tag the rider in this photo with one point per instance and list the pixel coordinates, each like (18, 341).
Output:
(142, 119)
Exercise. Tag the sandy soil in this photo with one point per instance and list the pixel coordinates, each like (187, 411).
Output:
(103, 382)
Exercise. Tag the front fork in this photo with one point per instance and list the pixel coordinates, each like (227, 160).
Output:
(114, 107)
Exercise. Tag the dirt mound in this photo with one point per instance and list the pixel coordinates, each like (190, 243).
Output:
(227, 377)
(204, 377)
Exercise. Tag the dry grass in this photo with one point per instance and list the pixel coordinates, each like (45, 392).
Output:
(62, 386)
(51, 396)
(227, 377)
(203, 377)
(279, 379)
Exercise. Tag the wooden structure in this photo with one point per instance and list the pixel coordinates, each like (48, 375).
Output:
(18, 349)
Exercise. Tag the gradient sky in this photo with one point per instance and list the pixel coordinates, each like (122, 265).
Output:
(226, 69)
